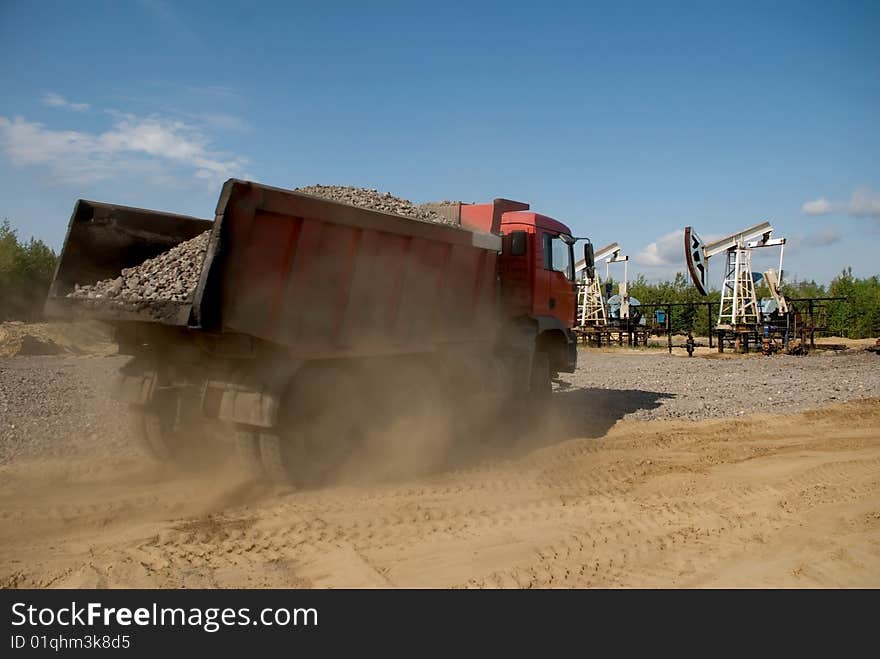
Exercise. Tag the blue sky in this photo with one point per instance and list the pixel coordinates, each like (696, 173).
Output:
(627, 121)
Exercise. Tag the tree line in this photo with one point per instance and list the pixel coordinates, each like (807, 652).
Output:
(26, 270)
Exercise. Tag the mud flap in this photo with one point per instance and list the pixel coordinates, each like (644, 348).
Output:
(248, 406)
(252, 399)
(571, 354)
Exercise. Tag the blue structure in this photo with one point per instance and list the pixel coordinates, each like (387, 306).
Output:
(614, 309)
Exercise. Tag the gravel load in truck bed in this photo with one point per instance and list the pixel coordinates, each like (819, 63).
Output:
(373, 200)
(173, 275)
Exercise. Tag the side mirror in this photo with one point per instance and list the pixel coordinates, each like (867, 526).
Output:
(589, 260)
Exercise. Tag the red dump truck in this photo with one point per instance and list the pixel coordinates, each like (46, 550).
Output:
(309, 315)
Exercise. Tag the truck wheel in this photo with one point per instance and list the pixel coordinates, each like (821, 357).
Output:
(281, 461)
(167, 431)
(321, 428)
(247, 450)
(148, 435)
(540, 385)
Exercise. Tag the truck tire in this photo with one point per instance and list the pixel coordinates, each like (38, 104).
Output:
(540, 385)
(278, 460)
(147, 435)
(247, 451)
(322, 426)
(168, 431)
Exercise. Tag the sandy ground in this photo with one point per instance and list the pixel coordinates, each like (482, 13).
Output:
(648, 470)
(790, 500)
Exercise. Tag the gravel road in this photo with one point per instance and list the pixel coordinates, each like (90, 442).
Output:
(61, 406)
(709, 388)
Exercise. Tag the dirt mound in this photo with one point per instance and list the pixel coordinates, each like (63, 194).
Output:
(31, 345)
(80, 338)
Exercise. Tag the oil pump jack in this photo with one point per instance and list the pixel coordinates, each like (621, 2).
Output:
(740, 314)
(592, 303)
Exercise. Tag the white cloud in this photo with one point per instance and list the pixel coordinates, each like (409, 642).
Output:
(666, 250)
(58, 101)
(863, 203)
(664, 257)
(132, 145)
(820, 206)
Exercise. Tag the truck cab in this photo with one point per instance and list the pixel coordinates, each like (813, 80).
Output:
(545, 246)
(535, 273)
(536, 269)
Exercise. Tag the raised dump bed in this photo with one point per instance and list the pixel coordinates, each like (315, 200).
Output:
(318, 277)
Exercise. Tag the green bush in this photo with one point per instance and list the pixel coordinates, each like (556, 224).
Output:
(26, 270)
(859, 316)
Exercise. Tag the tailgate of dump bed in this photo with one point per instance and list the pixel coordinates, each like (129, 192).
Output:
(103, 239)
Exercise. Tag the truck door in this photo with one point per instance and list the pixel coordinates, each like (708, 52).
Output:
(554, 281)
